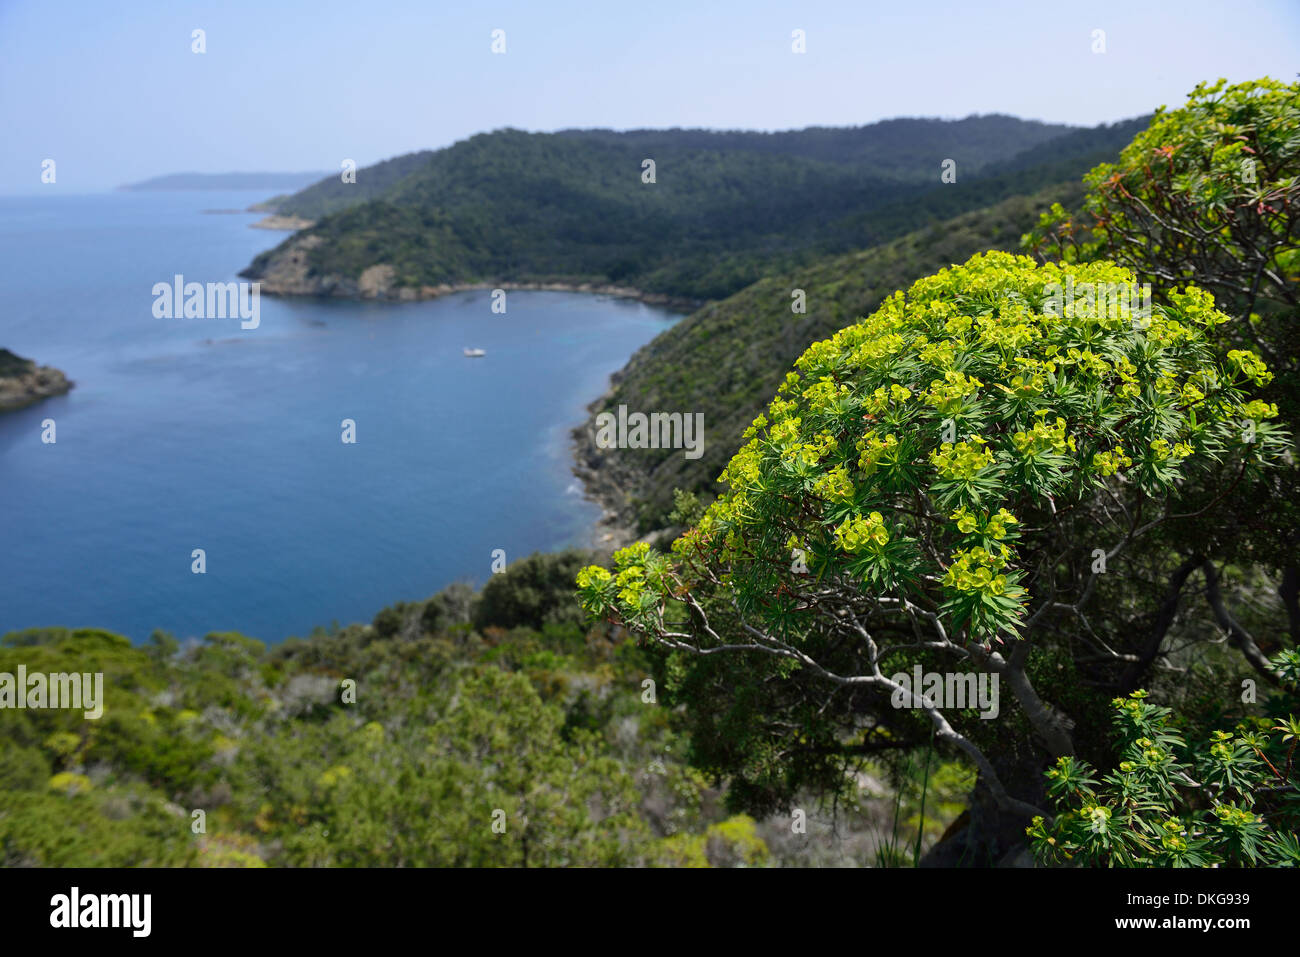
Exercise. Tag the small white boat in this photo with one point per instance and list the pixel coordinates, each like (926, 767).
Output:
(474, 353)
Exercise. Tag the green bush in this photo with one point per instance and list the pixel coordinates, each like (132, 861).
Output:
(937, 484)
(1232, 800)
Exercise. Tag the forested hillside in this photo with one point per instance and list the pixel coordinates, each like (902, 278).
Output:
(901, 149)
(724, 210)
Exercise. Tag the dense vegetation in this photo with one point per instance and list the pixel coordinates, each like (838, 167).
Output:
(1169, 805)
(902, 150)
(725, 209)
(1210, 193)
(14, 365)
(464, 704)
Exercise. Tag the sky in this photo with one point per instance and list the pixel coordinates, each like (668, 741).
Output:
(115, 93)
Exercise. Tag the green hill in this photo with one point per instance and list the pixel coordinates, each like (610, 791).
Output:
(725, 210)
(902, 149)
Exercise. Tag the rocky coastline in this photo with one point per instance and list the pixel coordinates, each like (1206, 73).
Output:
(597, 470)
(23, 382)
(286, 223)
(288, 273)
(609, 480)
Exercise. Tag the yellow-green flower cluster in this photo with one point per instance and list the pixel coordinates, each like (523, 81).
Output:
(835, 485)
(1190, 395)
(759, 423)
(978, 570)
(1251, 366)
(1161, 451)
(1234, 816)
(870, 353)
(1128, 386)
(745, 468)
(634, 554)
(962, 461)
(810, 453)
(941, 355)
(1030, 378)
(946, 394)
(956, 325)
(1171, 836)
(1097, 815)
(593, 576)
(1197, 306)
(630, 578)
(883, 397)
(877, 451)
(1043, 438)
(785, 431)
(1087, 361)
(823, 393)
(1108, 463)
(996, 526)
(631, 583)
(1165, 384)
(857, 534)
(1168, 332)
(1258, 409)
(1007, 332)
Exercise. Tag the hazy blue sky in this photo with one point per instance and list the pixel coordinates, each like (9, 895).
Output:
(113, 93)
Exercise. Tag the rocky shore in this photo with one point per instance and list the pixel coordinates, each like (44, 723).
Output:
(23, 382)
(609, 479)
(288, 273)
(289, 223)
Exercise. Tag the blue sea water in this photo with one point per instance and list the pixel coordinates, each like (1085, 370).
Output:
(194, 433)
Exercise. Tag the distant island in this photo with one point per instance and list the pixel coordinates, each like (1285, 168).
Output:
(196, 181)
(23, 382)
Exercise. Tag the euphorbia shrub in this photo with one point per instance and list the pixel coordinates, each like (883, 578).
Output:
(1233, 799)
(1210, 193)
(1041, 412)
(949, 474)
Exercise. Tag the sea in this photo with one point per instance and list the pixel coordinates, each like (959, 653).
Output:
(200, 477)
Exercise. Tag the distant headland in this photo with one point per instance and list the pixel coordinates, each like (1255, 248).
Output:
(23, 382)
